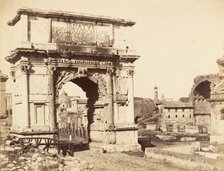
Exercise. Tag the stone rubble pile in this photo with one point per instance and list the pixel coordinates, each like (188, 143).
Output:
(31, 158)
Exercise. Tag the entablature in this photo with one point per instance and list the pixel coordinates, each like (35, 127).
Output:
(79, 52)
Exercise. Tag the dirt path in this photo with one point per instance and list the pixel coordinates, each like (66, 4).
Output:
(113, 161)
(121, 162)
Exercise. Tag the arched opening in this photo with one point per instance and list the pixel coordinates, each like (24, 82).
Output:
(203, 90)
(73, 90)
(75, 108)
(202, 107)
(201, 96)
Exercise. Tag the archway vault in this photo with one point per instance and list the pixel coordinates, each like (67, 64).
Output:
(76, 122)
(79, 76)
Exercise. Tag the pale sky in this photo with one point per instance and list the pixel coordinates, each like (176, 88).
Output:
(176, 39)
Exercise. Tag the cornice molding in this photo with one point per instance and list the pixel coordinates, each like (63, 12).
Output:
(71, 16)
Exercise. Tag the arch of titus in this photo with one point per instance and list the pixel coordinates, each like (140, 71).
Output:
(94, 52)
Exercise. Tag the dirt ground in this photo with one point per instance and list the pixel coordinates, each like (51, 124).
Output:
(128, 161)
(122, 162)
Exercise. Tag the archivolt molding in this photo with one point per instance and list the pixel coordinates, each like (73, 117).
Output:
(66, 76)
(213, 79)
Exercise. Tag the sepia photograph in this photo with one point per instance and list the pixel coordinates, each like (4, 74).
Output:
(112, 85)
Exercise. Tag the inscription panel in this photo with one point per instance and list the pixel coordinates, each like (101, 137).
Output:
(84, 33)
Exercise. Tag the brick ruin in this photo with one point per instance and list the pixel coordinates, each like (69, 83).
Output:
(207, 95)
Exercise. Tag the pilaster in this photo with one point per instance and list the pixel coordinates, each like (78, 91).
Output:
(130, 108)
(110, 112)
(12, 74)
(51, 97)
(24, 68)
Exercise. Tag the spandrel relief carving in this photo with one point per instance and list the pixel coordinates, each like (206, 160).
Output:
(212, 87)
(63, 76)
(102, 85)
(219, 88)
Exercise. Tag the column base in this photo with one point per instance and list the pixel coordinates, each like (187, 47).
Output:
(37, 128)
(18, 129)
(109, 148)
(100, 136)
(120, 138)
(30, 132)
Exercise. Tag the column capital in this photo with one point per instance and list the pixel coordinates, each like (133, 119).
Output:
(51, 69)
(24, 68)
(111, 71)
(130, 73)
(12, 74)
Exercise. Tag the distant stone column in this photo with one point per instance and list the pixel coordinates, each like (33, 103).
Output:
(12, 73)
(115, 88)
(51, 97)
(110, 112)
(25, 79)
(3, 79)
(130, 110)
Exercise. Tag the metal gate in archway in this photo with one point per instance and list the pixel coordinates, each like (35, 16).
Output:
(72, 128)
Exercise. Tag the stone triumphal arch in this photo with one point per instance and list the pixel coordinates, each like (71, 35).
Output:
(207, 95)
(94, 52)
